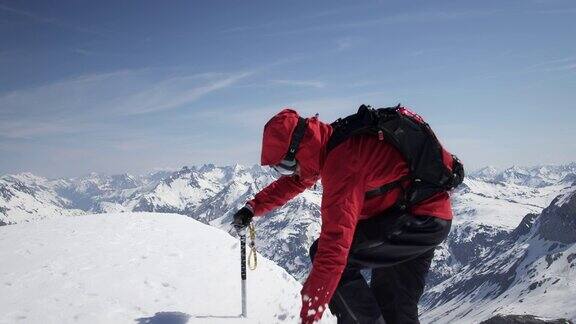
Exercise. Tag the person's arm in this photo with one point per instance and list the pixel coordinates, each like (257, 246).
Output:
(343, 180)
(278, 193)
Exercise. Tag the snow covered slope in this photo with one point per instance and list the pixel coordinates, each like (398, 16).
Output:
(25, 197)
(531, 270)
(135, 268)
(489, 205)
(501, 199)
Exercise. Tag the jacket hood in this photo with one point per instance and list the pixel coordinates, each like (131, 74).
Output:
(276, 139)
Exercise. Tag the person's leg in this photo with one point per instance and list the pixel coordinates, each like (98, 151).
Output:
(353, 301)
(381, 242)
(399, 249)
(398, 288)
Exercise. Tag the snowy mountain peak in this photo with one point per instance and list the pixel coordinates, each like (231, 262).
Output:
(187, 173)
(26, 178)
(486, 173)
(187, 169)
(92, 175)
(536, 176)
(123, 181)
(514, 174)
(206, 168)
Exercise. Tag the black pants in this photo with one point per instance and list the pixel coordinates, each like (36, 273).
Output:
(398, 248)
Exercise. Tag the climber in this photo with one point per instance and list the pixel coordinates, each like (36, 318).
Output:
(385, 207)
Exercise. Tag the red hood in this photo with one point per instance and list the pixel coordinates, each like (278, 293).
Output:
(276, 139)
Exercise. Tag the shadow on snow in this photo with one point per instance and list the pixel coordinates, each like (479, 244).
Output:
(176, 318)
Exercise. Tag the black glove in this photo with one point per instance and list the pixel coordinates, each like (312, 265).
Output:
(242, 218)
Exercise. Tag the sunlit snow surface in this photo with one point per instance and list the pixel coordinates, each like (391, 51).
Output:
(498, 204)
(135, 268)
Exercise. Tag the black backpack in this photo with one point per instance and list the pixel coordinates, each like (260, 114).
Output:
(417, 143)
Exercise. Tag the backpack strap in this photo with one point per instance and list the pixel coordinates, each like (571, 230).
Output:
(386, 188)
(364, 121)
(297, 136)
(457, 173)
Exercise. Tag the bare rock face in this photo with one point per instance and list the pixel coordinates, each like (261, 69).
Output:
(523, 319)
(558, 222)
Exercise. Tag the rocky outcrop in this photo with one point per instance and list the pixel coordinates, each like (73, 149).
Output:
(523, 319)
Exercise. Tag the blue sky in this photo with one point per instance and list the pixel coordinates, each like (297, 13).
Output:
(130, 86)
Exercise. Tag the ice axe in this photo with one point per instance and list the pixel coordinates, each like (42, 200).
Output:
(242, 234)
(252, 260)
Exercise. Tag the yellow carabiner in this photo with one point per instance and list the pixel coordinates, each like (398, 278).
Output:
(252, 258)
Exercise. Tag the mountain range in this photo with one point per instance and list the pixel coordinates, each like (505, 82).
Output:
(503, 234)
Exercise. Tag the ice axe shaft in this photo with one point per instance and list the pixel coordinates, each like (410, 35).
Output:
(242, 235)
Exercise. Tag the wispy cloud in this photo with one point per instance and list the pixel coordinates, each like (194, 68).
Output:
(555, 61)
(305, 18)
(405, 18)
(85, 102)
(559, 64)
(426, 51)
(568, 67)
(560, 11)
(329, 109)
(47, 20)
(26, 14)
(5, 54)
(345, 43)
(82, 51)
(174, 93)
(313, 22)
(301, 83)
(28, 129)
(344, 10)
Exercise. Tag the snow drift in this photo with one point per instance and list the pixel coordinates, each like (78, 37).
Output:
(135, 268)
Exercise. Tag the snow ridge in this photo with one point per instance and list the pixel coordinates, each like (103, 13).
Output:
(135, 267)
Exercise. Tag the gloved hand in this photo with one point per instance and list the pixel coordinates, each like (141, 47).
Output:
(242, 218)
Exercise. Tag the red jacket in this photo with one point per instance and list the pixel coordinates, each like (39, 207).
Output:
(357, 165)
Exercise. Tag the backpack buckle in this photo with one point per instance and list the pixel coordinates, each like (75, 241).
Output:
(380, 135)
